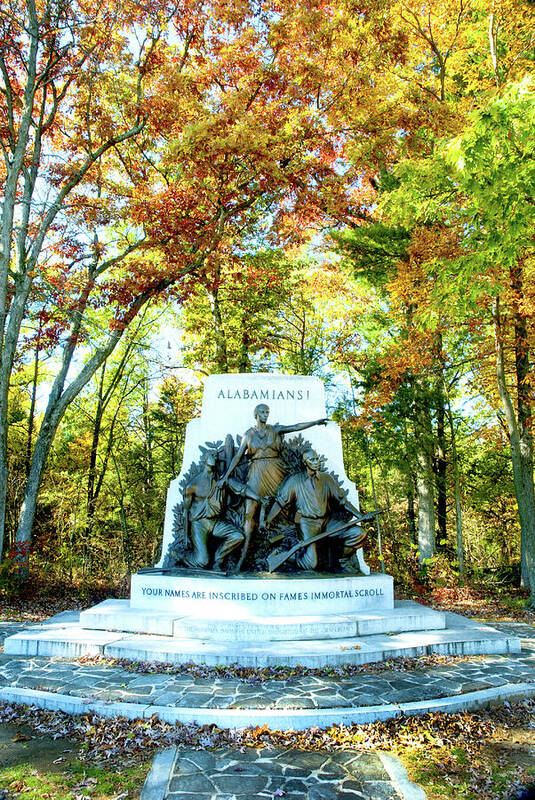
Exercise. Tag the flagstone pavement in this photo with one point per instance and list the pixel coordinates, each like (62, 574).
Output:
(269, 774)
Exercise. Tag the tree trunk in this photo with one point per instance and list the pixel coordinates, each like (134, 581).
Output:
(27, 515)
(10, 338)
(91, 476)
(388, 509)
(440, 462)
(127, 535)
(4, 471)
(411, 512)
(522, 459)
(411, 481)
(147, 430)
(244, 364)
(424, 480)
(441, 472)
(221, 354)
(31, 415)
(375, 508)
(457, 493)
(524, 393)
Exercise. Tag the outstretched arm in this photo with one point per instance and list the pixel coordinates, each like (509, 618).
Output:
(300, 426)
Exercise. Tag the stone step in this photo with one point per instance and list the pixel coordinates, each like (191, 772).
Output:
(117, 615)
(69, 640)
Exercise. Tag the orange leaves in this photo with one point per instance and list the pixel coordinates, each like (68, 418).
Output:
(243, 120)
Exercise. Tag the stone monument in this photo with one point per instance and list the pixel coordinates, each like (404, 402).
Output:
(263, 509)
(222, 514)
(252, 463)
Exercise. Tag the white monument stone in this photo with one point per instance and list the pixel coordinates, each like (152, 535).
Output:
(227, 407)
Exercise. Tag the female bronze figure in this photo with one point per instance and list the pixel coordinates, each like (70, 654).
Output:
(262, 444)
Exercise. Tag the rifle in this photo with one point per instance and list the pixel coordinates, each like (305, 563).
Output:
(275, 560)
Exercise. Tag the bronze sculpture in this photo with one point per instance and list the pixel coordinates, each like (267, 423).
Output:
(313, 493)
(218, 516)
(262, 444)
(202, 511)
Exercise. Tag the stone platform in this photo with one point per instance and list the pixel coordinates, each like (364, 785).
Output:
(259, 621)
(118, 615)
(409, 630)
(323, 698)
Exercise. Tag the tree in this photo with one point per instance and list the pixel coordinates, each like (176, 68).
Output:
(455, 54)
(116, 142)
(230, 319)
(118, 446)
(61, 114)
(472, 185)
(263, 311)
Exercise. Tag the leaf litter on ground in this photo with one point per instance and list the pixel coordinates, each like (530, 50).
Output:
(450, 745)
(109, 735)
(262, 674)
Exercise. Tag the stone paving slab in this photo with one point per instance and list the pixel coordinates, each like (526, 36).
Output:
(285, 719)
(485, 679)
(112, 683)
(251, 774)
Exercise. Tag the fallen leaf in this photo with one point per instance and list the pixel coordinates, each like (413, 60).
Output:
(85, 782)
(20, 737)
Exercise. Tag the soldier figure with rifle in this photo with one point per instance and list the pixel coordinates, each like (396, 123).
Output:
(314, 492)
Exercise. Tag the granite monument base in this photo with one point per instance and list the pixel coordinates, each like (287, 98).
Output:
(66, 638)
(217, 595)
(259, 621)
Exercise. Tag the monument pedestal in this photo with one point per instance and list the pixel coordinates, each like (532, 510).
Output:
(265, 595)
(260, 610)
(117, 630)
(259, 621)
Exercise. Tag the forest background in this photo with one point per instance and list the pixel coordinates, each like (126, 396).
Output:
(342, 189)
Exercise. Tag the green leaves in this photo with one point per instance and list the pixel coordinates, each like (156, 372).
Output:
(481, 182)
(373, 250)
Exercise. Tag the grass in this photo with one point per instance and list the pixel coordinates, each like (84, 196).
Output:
(42, 768)
(516, 603)
(98, 783)
(76, 779)
(497, 771)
